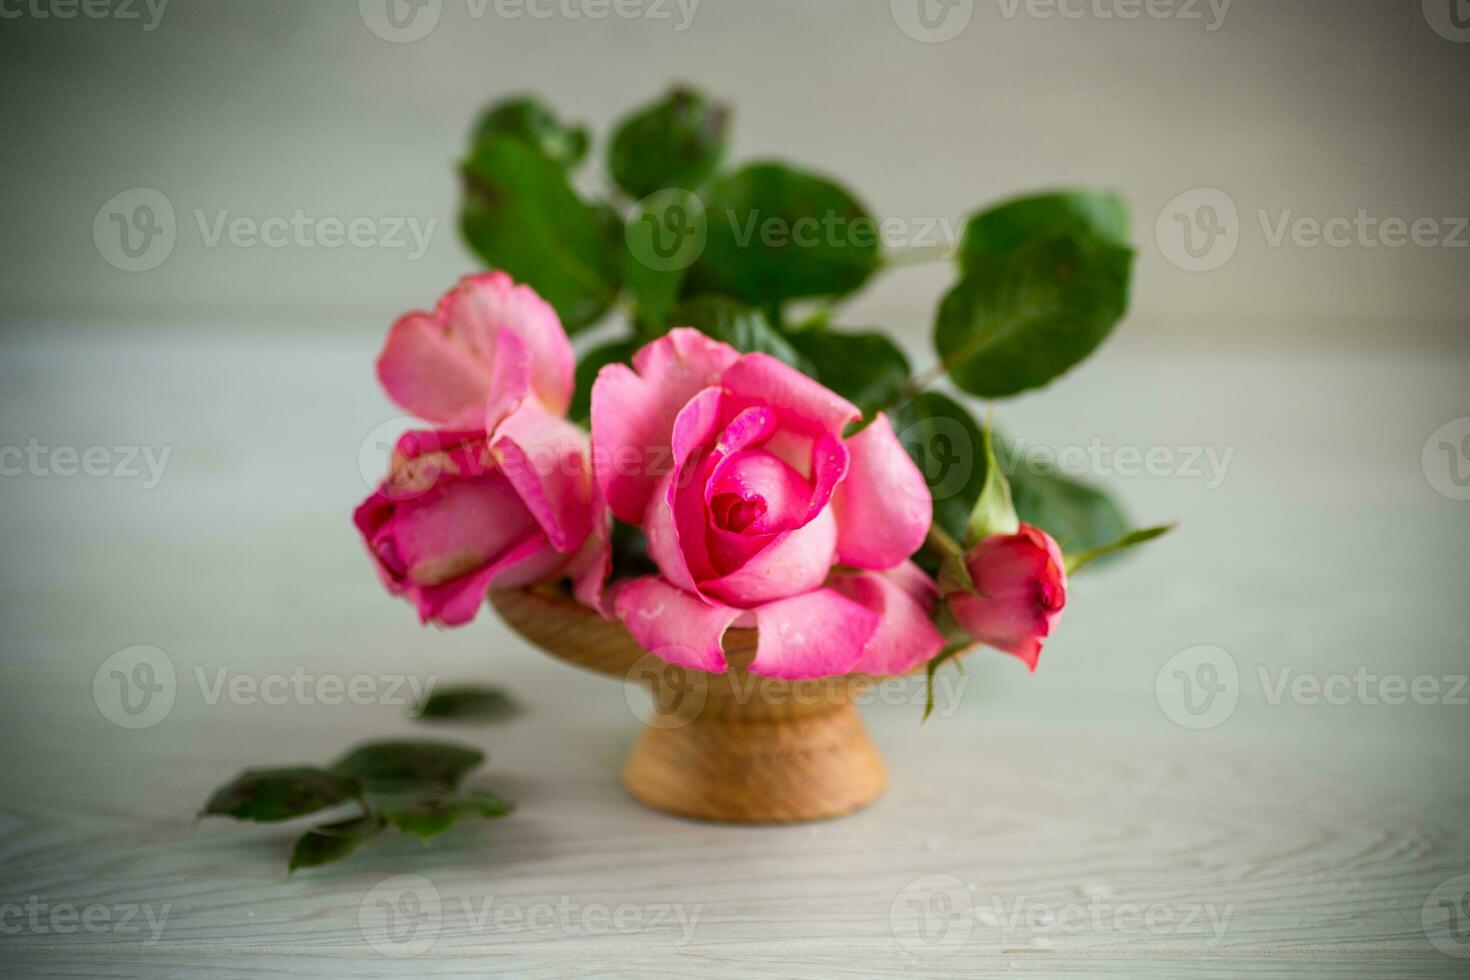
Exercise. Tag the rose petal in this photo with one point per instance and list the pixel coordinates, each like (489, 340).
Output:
(489, 305)
(675, 520)
(445, 366)
(794, 562)
(819, 634)
(883, 505)
(765, 380)
(906, 637)
(545, 459)
(455, 602)
(674, 625)
(427, 372)
(633, 413)
(591, 565)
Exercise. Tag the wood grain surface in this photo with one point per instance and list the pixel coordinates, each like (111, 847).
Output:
(1065, 823)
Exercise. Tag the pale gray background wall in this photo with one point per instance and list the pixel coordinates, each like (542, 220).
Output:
(1319, 107)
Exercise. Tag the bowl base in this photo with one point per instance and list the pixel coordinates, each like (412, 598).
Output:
(813, 766)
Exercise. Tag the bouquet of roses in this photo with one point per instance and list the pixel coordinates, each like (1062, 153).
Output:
(734, 457)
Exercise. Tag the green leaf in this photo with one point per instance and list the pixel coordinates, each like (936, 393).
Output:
(993, 513)
(470, 702)
(614, 352)
(867, 369)
(408, 764)
(777, 233)
(946, 444)
(333, 841)
(281, 793)
(677, 141)
(1077, 562)
(1019, 322)
(531, 121)
(743, 327)
(1078, 515)
(430, 815)
(1005, 228)
(521, 215)
(661, 240)
(951, 650)
(630, 558)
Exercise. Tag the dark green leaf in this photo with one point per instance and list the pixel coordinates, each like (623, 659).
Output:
(1017, 323)
(430, 815)
(867, 369)
(528, 119)
(281, 794)
(521, 215)
(630, 557)
(408, 764)
(1077, 562)
(950, 651)
(469, 702)
(618, 351)
(333, 841)
(677, 141)
(743, 327)
(776, 233)
(945, 443)
(1007, 227)
(1079, 516)
(664, 236)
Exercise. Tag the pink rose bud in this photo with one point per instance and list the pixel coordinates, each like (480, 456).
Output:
(1020, 588)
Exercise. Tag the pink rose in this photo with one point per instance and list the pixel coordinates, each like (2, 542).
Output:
(503, 496)
(487, 346)
(1021, 581)
(737, 470)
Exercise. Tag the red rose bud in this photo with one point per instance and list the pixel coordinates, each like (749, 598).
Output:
(1020, 583)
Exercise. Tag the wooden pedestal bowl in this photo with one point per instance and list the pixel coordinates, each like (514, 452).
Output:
(731, 747)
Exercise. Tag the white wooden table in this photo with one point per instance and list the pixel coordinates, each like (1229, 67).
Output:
(1051, 824)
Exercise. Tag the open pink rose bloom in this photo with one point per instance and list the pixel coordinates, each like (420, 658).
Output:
(763, 503)
(503, 496)
(759, 512)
